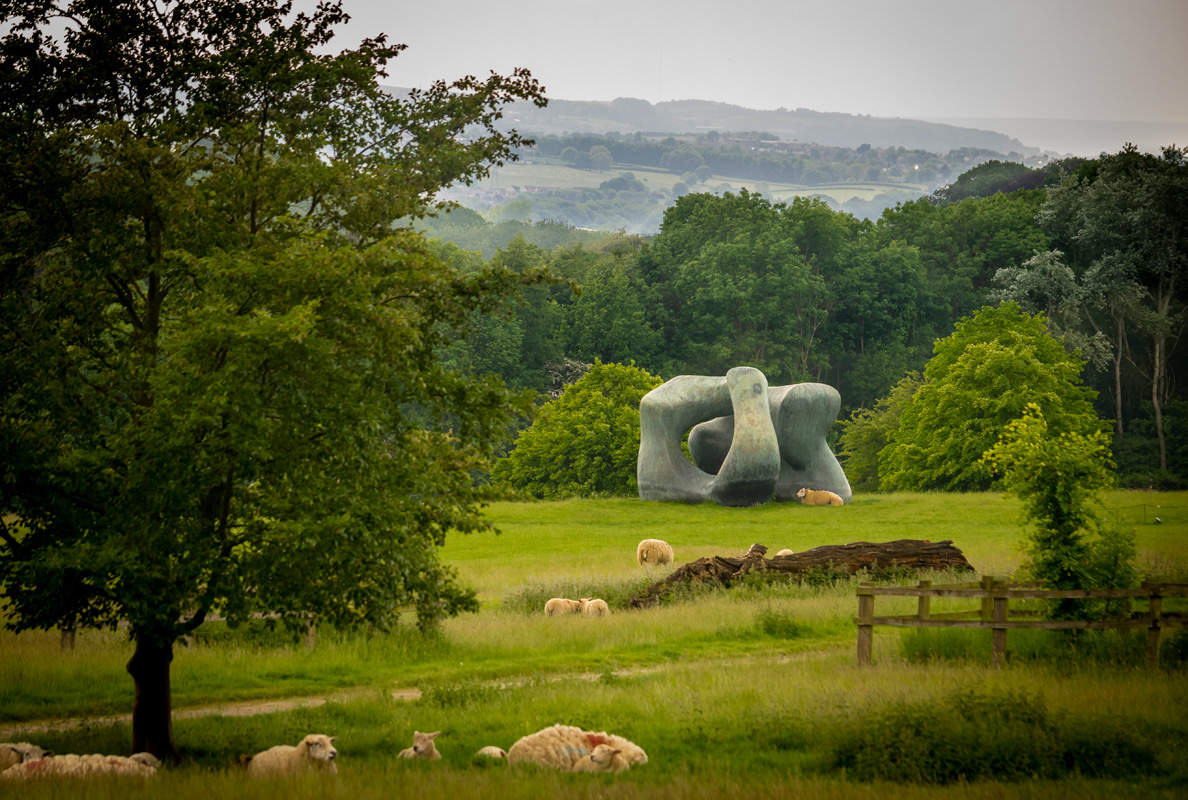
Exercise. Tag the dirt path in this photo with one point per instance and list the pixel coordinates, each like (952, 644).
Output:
(251, 708)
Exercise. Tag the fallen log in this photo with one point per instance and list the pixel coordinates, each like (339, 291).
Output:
(907, 554)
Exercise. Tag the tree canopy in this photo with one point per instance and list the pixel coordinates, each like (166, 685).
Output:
(980, 379)
(585, 442)
(219, 356)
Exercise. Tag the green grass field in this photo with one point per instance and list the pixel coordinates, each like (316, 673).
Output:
(752, 691)
(555, 174)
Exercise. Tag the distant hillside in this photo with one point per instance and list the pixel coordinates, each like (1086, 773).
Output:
(628, 115)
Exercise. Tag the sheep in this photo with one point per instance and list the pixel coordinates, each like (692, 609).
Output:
(653, 551)
(491, 751)
(12, 753)
(811, 497)
(314, 753)
(785, 552)
(602, 758)
(561, 605)
(423, 747)
(72, 766)
(594, 608)
(563, 746)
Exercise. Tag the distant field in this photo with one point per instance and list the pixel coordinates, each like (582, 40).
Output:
(554, 174)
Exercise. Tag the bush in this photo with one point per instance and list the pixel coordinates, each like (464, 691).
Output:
(988, 735)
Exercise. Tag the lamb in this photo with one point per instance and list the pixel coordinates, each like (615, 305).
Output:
(602, 758)
(563, 746)
(594, 608)
(653, 551)
(561, 605)
(72, 766)
(423, 747)
(314, 753)
(785, 552)
(13, 753)
(811, 497)
(491, 751)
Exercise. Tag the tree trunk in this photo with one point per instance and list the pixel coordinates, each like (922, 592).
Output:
(910, 554)
(1118, 380)
(152, 710)
(1156, 392)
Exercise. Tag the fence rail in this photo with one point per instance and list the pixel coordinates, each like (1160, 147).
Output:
(995, 596)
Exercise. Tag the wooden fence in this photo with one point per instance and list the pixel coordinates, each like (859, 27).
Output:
(995, 612)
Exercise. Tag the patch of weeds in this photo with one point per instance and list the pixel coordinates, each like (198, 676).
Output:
(1173, 653)
(993, 735)
(1106, 648)
(779, 625)
(458, 695)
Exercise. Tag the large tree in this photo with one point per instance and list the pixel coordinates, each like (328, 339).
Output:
(213, 340)
(981, 379)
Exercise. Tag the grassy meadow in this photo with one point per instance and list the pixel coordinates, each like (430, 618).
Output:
(752, 691)
(555, 174)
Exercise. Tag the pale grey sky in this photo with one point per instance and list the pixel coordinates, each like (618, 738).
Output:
(1063, 59)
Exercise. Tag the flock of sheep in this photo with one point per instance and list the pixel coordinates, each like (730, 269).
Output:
(562, 747)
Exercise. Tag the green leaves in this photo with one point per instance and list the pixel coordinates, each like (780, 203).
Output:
(980, 380)
(586, 442)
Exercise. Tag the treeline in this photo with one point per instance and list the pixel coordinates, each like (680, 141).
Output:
(768, 159)
(806, 293)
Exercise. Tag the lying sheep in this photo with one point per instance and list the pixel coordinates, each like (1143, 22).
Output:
(423, 747)
(561, 605)
(594, 608)
(563, 746)
(785, 552)
(141, 765)
(13, 753)
(653, 551)
(491, 751)
(314, 753)
(811, 497)
(602, 758)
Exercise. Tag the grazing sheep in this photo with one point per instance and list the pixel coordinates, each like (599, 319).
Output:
(811, 497)
(12, 753)
(602, 758)
(72, 766)
(559, 606)
(491, 751)
(594, 608)
(563, 746)
(785, 552)
(653, 551)
(423, 747)
(314, 753)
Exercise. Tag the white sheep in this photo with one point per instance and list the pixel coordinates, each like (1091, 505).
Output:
(563, 746)
(423, 747)
(314, 753)
(491, 751)
(602, 758)
(785, 552)
(811, 497)
(72, 766)
(13, 753)
(559, 606)
(594, 608)
(653, 551)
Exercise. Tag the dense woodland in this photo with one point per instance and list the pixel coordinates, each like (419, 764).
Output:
(807, 293)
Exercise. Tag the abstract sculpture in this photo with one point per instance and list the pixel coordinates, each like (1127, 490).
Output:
(750, 442)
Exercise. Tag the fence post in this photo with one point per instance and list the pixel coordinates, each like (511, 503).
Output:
(865, 625)
(924, 609)
(998, 636)
(987, 603)
(1153, 631)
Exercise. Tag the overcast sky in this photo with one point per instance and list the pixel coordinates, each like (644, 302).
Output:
(1065, 59)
